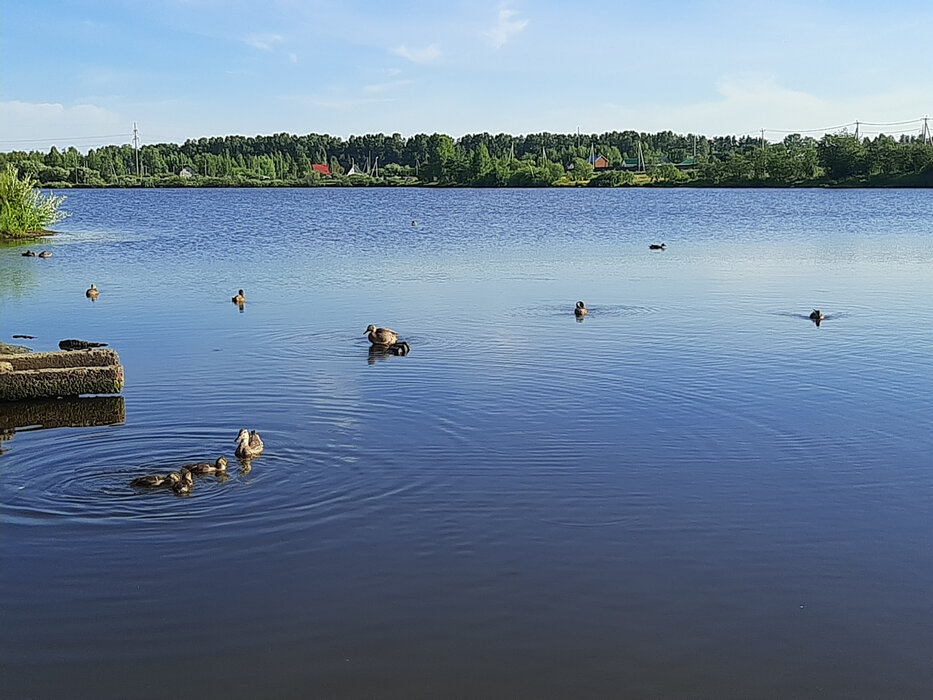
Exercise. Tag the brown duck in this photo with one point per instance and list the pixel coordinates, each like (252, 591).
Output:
(249, 444)
(182, 486)
(381, 336)
(202, 468)
(154, 481)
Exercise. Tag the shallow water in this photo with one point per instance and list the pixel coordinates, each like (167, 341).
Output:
(695, 492)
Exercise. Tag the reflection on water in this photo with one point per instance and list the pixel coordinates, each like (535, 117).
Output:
(677, 497)
(63, 412)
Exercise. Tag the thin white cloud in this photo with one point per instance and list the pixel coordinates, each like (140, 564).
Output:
(28, 125)
(264, 42)
(425, 55)
(745, 104)
(506, 27)
(293, 57)
(386, 86)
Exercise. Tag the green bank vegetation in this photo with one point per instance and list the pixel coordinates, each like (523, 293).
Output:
(24, 211)
(486, 160)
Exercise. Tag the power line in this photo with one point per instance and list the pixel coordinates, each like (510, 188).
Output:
(911, 121)
(66, 138)
(812, 131)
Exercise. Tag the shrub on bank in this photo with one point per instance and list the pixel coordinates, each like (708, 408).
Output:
(24, 211)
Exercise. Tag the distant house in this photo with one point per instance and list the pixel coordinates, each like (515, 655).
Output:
(321, 168)
(599, 162)
(186, 172)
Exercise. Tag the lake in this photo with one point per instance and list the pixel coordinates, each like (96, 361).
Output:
(695, 492)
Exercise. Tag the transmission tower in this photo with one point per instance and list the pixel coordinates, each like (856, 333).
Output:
(136, 146)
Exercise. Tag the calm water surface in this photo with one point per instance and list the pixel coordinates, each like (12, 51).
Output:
(694, 493)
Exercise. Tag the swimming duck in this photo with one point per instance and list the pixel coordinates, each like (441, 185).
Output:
(817, 315)
(580, 309)
(45, 254)
(381, 336)
(657, 246)
(202, 468)
(29, 254)
(92, 292)
(153, 481)
(183, 485)
(239, 298)
(249, 444)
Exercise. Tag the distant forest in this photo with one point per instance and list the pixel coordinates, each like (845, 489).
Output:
(617, 158)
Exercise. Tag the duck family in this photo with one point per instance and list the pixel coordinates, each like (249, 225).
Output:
(182, 480)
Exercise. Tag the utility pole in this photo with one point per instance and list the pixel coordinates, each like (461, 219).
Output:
(926, 130)
(762, 138)
(856, 129)
(136, 147)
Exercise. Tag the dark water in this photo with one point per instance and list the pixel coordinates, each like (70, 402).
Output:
(694, 493)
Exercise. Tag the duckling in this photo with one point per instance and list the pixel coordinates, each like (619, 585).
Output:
(29, 254)
(657, 246)
(381, 336)
(817, 315)
(92, 292)
(249, 444)
(45, 254)
(183, 486)
(202, 468)
(152, 481)
(239, 298)
(580, 309)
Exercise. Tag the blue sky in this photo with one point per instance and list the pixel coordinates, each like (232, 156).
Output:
(81, 72)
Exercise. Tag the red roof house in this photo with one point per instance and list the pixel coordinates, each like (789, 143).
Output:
(323, 169)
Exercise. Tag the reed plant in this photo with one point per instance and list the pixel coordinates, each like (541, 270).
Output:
(24, 210)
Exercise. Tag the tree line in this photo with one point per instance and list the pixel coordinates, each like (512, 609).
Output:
(487, 160)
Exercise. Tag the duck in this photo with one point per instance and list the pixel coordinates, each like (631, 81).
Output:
(817, 315)
(580, 309)
(182, 486)
(45, 254)
(202, 468)
(658, 246)
(152, 481)
(29, 254)
(239, 298)
(249, 444)
(381, 336)
(92, 292)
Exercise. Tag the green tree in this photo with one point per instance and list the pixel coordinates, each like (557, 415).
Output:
(843, 156)
(440, 151)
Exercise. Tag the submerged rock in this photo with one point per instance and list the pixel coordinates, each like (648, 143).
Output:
(74, 344)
